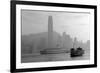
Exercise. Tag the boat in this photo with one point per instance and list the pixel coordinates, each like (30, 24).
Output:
(76, 52)
(53, 51)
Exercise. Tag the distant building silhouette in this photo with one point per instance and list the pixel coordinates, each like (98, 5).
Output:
(50, 32)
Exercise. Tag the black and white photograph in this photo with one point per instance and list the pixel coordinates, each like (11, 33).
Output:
(52, 36)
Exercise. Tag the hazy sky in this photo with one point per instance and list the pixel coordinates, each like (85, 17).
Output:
(74, 24)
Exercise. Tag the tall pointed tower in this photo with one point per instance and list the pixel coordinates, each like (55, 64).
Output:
(50, 32)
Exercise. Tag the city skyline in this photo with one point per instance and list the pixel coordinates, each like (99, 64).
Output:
(72, 23)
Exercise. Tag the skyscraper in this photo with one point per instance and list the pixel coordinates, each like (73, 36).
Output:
(50, 32)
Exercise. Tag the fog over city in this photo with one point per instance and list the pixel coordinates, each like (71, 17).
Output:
(74, 24)
(54, 36)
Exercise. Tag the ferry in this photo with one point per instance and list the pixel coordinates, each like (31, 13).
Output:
(76, 52)
(53, 51)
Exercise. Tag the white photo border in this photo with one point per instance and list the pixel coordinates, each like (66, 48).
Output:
(51, 64)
